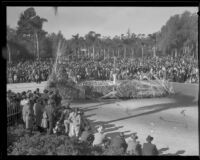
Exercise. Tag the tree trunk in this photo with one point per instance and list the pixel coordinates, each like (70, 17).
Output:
(104, 53)
(196, 49)
(118, 53)
(132, 50)
(175, 52)
(124, 52)
(9, 53)
(154, 51)
(88, 52)
(93, 52)
(108, 53)
(37, 45)
(78, 53)
(142, 54)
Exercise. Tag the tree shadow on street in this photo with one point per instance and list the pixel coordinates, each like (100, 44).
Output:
(180, 101)
(178, 153)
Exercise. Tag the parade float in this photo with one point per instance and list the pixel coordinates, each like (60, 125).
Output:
(69, 88)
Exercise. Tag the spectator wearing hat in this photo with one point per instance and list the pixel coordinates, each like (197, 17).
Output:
(65, 117)
(38, 111)
(44, 122)
(149, 149)
(84, 122)
(58, 98)
(119, 142)
(28, 115)
(51, 115)
(75, 122)
(134, 147)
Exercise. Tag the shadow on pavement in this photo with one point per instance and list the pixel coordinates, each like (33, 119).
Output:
(160, 151)
(180, 101)
(178, 153)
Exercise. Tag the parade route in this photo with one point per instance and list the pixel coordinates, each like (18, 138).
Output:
(172, 120)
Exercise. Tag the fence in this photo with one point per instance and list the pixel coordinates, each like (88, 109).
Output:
(13, 114)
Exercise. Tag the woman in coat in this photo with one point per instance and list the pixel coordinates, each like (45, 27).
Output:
(28, 115)
(38, 112)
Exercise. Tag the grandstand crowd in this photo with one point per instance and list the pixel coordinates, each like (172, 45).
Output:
(43, 112)
(180, 69)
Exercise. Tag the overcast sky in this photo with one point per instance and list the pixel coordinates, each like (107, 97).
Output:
(108, 21)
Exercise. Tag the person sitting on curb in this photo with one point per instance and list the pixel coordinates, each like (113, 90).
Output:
(99, 137)
(87, 136)
(134, 147)
(119, 142)
(149, 149)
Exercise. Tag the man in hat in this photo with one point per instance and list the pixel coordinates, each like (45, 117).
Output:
(84, 121)
(50, 110)
(134, 147)
(58, 98)
(75, 122)
(28, 115)
(38, 111)
(119, 142)
(149, 149)
(64, 117)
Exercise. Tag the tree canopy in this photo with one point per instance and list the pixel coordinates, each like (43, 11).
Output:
(179, 34)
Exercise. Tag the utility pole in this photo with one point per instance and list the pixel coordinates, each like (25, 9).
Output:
(124, 52)
(9, 53)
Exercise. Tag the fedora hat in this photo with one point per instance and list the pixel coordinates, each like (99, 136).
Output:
(149, 138)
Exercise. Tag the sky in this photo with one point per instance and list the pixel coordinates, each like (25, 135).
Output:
(108, 21)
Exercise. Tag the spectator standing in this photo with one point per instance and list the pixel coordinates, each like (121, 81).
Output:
(119, 142)
(65, 118)
(149, 149)
(28, 115)
(50, 110)
(38, 112)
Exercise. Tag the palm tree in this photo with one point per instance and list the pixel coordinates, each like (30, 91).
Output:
(55, 10)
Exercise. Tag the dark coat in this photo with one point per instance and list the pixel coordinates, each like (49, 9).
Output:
(149, 149)
(38, 111)
(51, 116)
(50, 110)
(64, 115)
(84, 136)
(119, 142)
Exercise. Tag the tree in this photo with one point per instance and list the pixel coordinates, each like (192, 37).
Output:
(11, 33)
(30, 28)
(178, 32)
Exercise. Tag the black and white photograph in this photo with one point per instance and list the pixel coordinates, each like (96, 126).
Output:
(102, 80)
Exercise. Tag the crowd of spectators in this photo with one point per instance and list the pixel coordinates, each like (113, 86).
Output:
(176, 69)
(29, 71)
(44, 112)
(180, 69)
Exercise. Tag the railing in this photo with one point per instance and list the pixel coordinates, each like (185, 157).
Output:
(13, 114)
